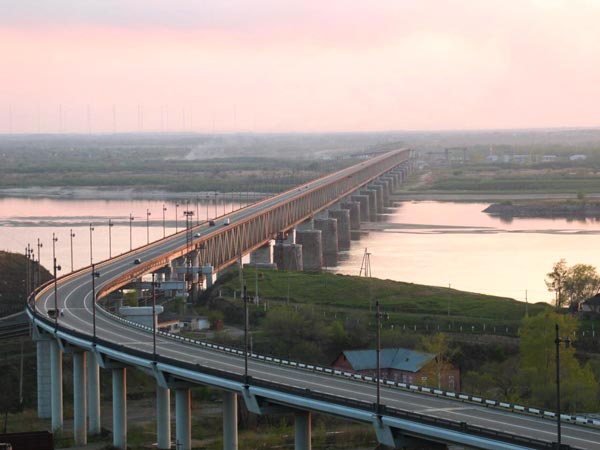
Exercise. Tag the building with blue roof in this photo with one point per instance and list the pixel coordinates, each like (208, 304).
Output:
(401, 365)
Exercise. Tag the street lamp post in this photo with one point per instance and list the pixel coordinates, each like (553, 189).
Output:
(28, 269)
(567, 342)
(91, 250)
(39, 271)
(56, 268)
(148, 214)
(164, 209)
(110, 225)
(379, 316)
(153, 316)
(245, 299)
(130, 232)
(94, 276)
(197, 212)
(71, 235)
(176, 223)
(216, 193)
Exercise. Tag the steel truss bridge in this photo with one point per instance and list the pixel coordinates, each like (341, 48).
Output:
(408, 417)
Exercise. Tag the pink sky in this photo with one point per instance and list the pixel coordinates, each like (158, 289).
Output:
(298, 65)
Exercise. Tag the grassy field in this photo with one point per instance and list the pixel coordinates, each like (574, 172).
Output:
(490, 179)
(407, 303)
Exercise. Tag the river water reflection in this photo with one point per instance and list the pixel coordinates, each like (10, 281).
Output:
(456, 244)
(422, 242)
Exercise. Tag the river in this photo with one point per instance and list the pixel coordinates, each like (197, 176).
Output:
(426, 242)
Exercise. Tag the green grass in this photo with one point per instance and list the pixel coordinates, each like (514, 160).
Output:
(412, 303)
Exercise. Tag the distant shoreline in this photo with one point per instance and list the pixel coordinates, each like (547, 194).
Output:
(96, 193)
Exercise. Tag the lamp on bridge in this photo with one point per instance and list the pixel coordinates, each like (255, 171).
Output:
(39, 265)
(176, 223)
(56, 268)
(110, 225)
(91, 249)
(148, 214)
(567, 342)
(130, 234)
(164, 209)
(71, 235)
(95, 275)
(153, 316)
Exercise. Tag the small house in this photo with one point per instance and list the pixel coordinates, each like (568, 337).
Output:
(401, 365)
(591, 306)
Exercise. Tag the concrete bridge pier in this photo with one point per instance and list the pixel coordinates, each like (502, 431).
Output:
(329, 239)
(373, 202)
(183, 418)
(380, 197)
(207, 271)
(56, 385)
(365, 211)
(263, 255)
(163, 417)
(44, 397)
(390, 184)
(79, 398)
(343, 227)
(312, 249)
(119, 401)
(354, 212)
(230, 421)
(288, 256)
(93, 394)
(303, 431)
(386, 189)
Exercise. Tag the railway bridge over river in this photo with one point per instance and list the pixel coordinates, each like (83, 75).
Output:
(67, 319)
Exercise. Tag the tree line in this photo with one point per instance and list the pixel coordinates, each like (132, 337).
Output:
(572, 285)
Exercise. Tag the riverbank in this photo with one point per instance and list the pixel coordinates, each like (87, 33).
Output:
(569, 209)
(99, 193)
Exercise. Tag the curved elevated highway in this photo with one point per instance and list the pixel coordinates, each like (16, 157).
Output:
(96, 339)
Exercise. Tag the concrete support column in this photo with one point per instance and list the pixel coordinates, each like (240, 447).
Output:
(79, 398)
(44, 398)
(393, 182)
(119, 391)
(354, 211)
(230, 421)
(380, 197)
(288, 256)
(180, 262)
(207, 271)
(365, 210)
(329, 239)
(163, 418)
(93, 394)
(195, 275)
(388, 184)
(183, 418)
(343, 227)
(302, 438)
(56, 386)
(372, 204)
(172, 271)
(263, 255)
(312, 249)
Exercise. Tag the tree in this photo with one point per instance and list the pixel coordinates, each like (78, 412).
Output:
(579, 390)
(574, 284)
(582, 283)
(556, 281)
(437, 344)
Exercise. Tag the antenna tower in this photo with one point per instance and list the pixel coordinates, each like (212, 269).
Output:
(365, 266)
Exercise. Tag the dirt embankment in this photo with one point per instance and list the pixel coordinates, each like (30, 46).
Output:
(563, 209)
